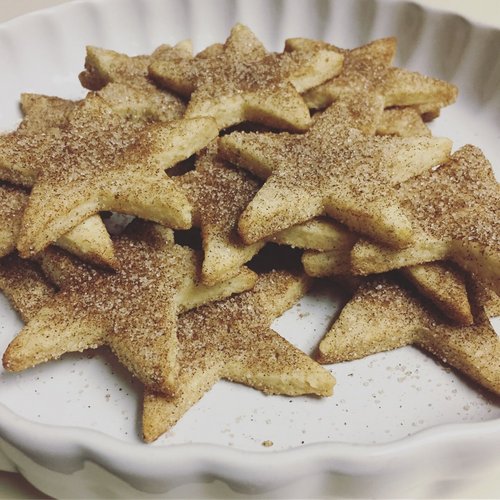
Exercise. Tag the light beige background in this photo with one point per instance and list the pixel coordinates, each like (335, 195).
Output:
(486, 11)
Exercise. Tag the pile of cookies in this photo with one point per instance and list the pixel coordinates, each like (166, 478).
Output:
(317, 148)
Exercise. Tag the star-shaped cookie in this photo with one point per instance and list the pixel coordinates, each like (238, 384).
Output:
(133, 309)
(241, 81)
(329, 253)
(89, 240)
(369, 69)
(102, 161)
(232, 340)
(43, 117)
(455, 212)
(332, 168)
(384, 314)
(138, 95)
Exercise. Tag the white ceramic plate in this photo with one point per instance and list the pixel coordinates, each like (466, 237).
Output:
(399, 423)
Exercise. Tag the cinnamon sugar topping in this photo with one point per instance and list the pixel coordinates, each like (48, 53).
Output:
(367, 69)
(12, 203)
(109, 70)
(333, 167)
(103, 161)
(459, 200)
(241, 81)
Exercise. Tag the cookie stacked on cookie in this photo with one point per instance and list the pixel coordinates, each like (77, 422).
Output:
(229, 151)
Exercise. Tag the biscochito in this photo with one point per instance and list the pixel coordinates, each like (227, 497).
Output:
(249, 174)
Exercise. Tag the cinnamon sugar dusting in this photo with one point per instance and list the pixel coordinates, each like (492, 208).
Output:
(91, 143)
(149, 275)
(228, 74)
(332, 165)
(20, 150)
(25, 285)
(88, 140)
(241, 65)
(218, 191)
(241, 81)
(365, 68)
(42, 113)
(233, 336)
(460, 200)
(368, 69)
(136, 307)
(107, 66)
(12, 203)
